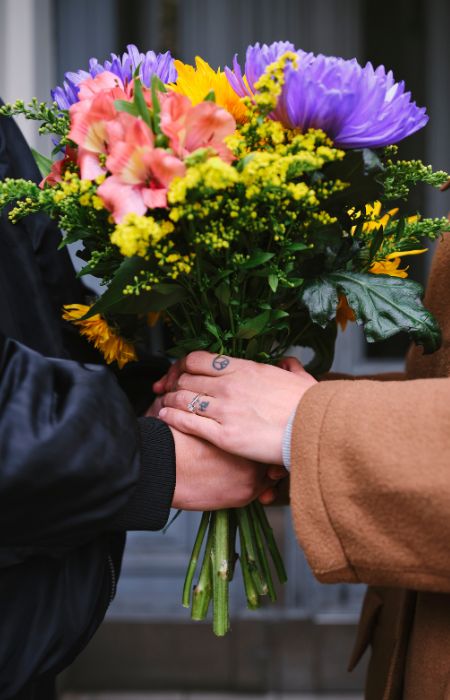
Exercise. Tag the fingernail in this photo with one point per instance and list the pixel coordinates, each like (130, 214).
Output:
(162, 413)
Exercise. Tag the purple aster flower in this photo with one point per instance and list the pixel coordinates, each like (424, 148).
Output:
(124, 67)
(356, 106)
(256, 61)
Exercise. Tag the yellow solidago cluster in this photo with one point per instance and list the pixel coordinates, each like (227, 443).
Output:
(270, 84)
(85, 190)
(213, 174)
(101, 335)
(138, 235)
(197, 82)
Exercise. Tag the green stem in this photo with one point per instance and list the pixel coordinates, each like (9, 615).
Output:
(187, 588)
(203, 590)
(247, 535)
(271, 542)
(220, 573)
(232, 554)
(260, 545)
(250, 590)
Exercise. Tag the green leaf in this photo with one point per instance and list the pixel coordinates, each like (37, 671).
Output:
(322, 341)
(141, 105)
(253, 326)
(359, 169)
(383, 305)
(294, 247)
(156, 105)
(273, 282)
(124, 106)
(277, 314)
(44, 164)
(222, 292)
(210, 97)
(213, 329)
(258, 257)
(159, 298)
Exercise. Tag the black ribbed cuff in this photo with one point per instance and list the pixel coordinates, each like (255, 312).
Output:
(149, 506)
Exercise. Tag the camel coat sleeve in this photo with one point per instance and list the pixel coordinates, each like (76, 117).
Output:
(370, 482)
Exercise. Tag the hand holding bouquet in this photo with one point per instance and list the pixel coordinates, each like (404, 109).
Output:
(253, 209)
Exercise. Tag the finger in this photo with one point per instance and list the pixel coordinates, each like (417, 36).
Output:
(192, 424)
(267, 497)
(159, 387)
(155, 408)
(277, 472)
(202, 405)
(173, 375)
(291, 364)
(198, 384)
(207, 363)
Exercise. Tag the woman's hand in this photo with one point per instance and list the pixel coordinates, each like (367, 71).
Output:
(240, 406)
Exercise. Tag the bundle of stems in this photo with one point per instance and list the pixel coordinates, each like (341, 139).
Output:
(256, 544)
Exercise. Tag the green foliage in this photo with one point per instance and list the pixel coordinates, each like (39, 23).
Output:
(383, 305)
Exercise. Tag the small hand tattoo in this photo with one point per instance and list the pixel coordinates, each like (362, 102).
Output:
(220, 362)
(203, 405)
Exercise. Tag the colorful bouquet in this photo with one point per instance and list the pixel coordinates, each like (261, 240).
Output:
(253, 209)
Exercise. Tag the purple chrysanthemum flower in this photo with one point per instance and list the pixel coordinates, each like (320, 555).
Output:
(356, 106)
(124, 67)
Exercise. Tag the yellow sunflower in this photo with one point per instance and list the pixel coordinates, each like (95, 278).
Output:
(101, 335)
(390, 264)
(197, 82)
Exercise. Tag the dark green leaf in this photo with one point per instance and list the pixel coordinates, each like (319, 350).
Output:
(383, 305)
(377, 240)
(44, 164)
(158, 299)
(253, 326)
(258, 257)
(222, 292)
(322, 341)
(273, 282)
(213, 329)
(294, 247)
(277, 314)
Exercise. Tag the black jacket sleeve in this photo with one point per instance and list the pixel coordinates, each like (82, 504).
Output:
(74, 461)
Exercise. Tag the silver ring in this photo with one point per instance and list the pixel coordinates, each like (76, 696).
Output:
(192, 405)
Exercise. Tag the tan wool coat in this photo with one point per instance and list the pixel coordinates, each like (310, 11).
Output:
(370, 493)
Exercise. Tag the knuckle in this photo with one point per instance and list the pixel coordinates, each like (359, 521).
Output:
(183, 380)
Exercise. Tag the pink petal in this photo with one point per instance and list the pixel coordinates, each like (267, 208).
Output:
(155, 198)
(102, 81)
(121, 199)
(208, 125)
(89, 163)
(165, 166)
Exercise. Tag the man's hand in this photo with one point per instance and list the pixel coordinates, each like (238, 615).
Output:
(210, 479)
(240, 406)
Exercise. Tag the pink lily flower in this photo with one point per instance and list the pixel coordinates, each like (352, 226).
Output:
(188, 127)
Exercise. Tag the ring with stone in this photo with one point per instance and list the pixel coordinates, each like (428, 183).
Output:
(192, 405)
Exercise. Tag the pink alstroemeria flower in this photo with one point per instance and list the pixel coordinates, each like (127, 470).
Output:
(188, 127)
(140, 173)
(90, 117)
(58, 168)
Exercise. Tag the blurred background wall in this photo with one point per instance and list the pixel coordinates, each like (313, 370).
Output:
(303, 643)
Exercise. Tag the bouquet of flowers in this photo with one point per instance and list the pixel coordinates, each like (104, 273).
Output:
(253, 209)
